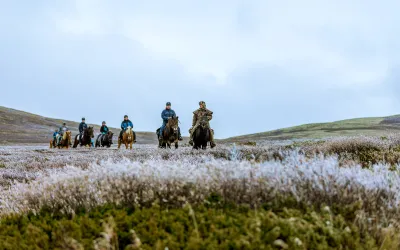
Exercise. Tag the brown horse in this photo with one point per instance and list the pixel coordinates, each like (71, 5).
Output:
(128, 138)
(104, 140)
(86, 139)
(170, 134)
(201, 134)
(65, 141)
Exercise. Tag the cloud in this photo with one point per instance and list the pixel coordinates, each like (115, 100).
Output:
(259, 64)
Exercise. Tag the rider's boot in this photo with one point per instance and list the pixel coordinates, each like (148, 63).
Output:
(191, 136)
(212, 143)
(180, 136)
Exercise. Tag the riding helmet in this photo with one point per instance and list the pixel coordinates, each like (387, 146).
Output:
(202, 102)
(125, 116)
(64, 123)
(168, 104)
(83, 118)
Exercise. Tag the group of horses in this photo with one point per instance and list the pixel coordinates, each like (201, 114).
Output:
(104, 140)
(170, 136)
(201, 136)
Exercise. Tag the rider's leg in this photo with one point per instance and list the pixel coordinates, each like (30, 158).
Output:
(191, 131)
(120, 134)
(162, 129)
(179, 134)
(212, 143)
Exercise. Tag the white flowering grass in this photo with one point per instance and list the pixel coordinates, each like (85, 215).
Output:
(64, 181)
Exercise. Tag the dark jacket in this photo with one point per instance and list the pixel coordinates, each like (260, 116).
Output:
(167, 113)
(82, 126)
(200, 113)
(104, 129)
(126, 124)
(62, 129)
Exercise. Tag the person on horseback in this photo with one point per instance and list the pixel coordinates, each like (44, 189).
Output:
(82, 127)
(103, 130)
(197, 115)
(124, 125)
(61, 131)
(55, 134)
(166, 114)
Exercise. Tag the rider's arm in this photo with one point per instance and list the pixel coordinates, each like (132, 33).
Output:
(164, 115)
(194, 119)
(209, 115)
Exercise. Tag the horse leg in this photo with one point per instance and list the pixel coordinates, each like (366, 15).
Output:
(176, 145)
(75, 142)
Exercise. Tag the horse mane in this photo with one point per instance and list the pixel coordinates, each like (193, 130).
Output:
(173, 121)
(67, 133)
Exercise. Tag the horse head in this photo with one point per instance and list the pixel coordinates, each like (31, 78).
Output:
(90, 132)
(204, 122)
(129, 133)
(173, 124)
(67, 135)
(110, 135)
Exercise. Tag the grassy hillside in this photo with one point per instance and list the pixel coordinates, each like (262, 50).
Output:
(18, 127)
(373, 126)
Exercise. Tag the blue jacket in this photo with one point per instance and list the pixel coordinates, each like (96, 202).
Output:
(82, 126)
(126, 124)
(104, 129)
(55, 134)
(167, 113)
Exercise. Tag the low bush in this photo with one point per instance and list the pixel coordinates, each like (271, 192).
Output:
(202, 227)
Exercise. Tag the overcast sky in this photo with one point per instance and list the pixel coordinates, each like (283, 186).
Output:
(259, 64)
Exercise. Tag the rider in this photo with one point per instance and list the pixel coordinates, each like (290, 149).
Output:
(124, 125)
(166, 114)
(103, 129)
(82, 126)
(197, 115)
(55, 136)
(62, 130)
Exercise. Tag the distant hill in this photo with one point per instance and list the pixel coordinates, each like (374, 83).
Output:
(375, 126)
(18, 127)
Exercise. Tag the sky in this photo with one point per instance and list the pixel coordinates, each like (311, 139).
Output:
(258, 64)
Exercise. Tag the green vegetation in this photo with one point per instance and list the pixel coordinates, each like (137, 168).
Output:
(203, 227)
(379, 126)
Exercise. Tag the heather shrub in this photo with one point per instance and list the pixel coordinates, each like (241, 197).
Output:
(201, 227)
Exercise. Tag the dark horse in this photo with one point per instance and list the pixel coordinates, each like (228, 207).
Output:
(86, 139)
(201, 136)
(105, 140)
(170, 134)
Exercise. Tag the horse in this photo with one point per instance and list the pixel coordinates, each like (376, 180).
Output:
(128, 138)
(105, 140)
(86, 138)
(170, 134)
(201, 136)
(64, 143)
